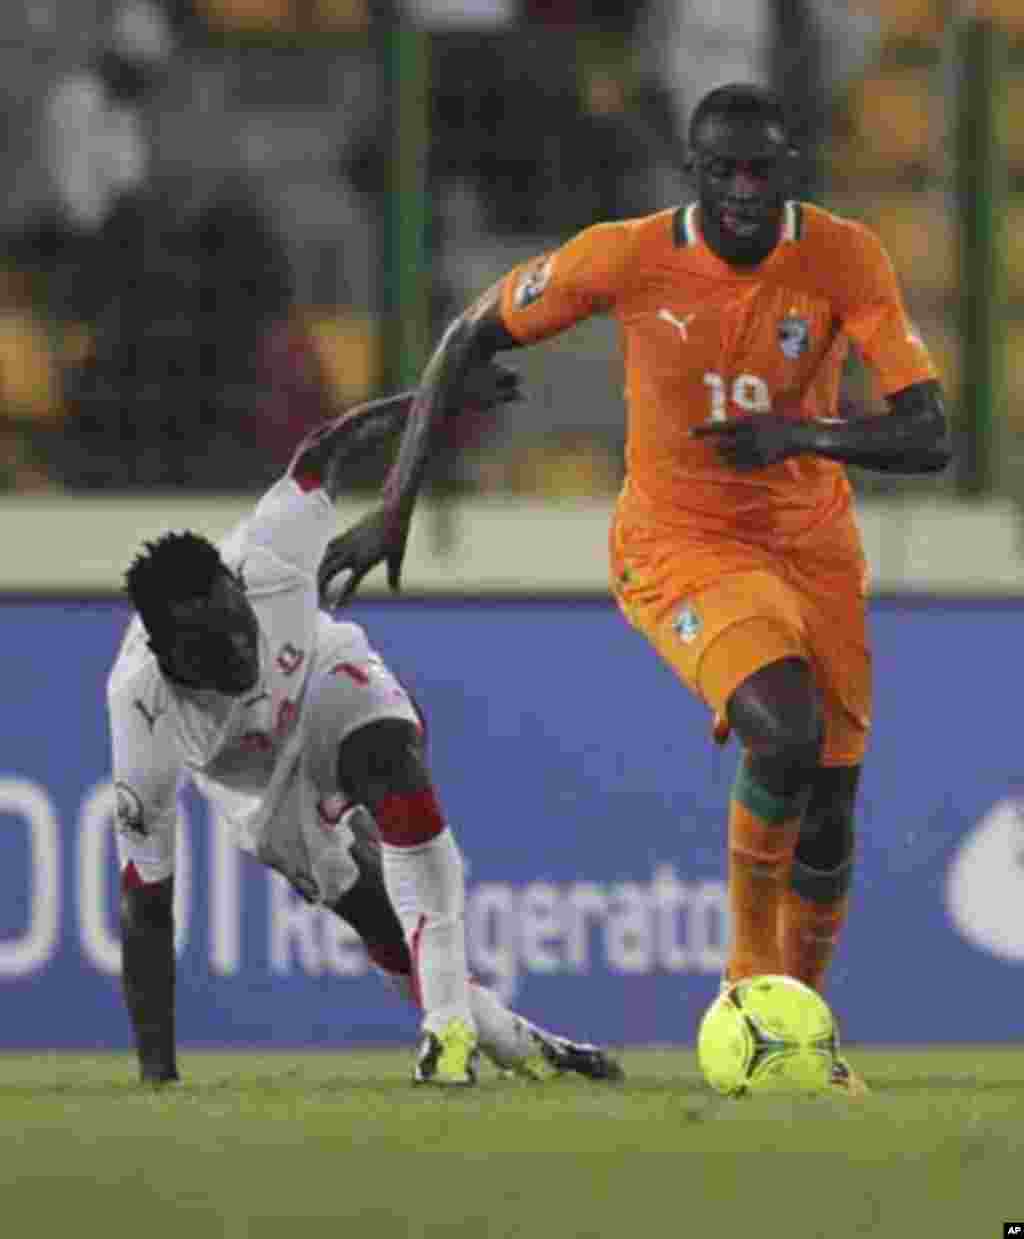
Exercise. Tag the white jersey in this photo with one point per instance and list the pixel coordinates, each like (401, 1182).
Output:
(266, 760)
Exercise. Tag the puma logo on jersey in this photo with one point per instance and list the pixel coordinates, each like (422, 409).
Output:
(680, 325)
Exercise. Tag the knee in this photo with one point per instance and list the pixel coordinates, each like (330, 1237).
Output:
(382, 766)
(381, 759)
(778, 717)
(792, 742)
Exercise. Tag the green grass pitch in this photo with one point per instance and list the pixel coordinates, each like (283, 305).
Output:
(254, 1145)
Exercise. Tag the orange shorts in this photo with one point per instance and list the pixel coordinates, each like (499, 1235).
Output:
(718, 610)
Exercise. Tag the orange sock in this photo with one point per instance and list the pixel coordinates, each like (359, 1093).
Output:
(763, 831)
(808, 933)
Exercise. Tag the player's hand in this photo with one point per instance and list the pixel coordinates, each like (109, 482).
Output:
(380, 537)
(489, 386)
(757, 440)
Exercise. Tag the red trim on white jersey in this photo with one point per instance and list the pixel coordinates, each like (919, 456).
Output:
(306, 474)
(132, 880)
(308, 480)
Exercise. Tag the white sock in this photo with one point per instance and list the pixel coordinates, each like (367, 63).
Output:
(426, 886)
(504, 1036)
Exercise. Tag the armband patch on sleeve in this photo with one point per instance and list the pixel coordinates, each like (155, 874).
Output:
(531, 284)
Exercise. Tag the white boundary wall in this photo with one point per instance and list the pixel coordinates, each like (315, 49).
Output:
(82, 545)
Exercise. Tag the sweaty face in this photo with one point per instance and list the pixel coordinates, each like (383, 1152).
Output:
(215, 642)
(742, 177)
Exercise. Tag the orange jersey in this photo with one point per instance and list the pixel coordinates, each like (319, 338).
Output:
(701, 339)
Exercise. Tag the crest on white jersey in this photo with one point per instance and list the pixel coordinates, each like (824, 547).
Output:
(290, 658)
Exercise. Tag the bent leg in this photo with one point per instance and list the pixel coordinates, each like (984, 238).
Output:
(509, 1041)
(741, 645)
(381, 765)
(776, 714)
(815, 905)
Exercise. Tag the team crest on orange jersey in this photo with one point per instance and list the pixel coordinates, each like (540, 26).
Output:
(686, 624)
(532, 283)
(794, 336)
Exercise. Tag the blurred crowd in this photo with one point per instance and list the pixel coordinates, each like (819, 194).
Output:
(190, 272)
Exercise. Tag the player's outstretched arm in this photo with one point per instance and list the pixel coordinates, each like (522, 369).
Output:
(468, 344)
(460, 375)
(322, 457)
(147, 973)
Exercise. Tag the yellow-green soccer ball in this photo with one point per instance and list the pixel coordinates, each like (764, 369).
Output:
(769, 1034)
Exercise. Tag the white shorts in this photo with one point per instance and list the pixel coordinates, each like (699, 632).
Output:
(349, 687)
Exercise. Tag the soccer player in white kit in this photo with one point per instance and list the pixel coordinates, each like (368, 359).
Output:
(311, 751)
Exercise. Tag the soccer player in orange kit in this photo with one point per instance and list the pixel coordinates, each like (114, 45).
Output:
(734, 546)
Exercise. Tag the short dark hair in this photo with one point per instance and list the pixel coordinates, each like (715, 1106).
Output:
(740, 99)
(175, 568)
